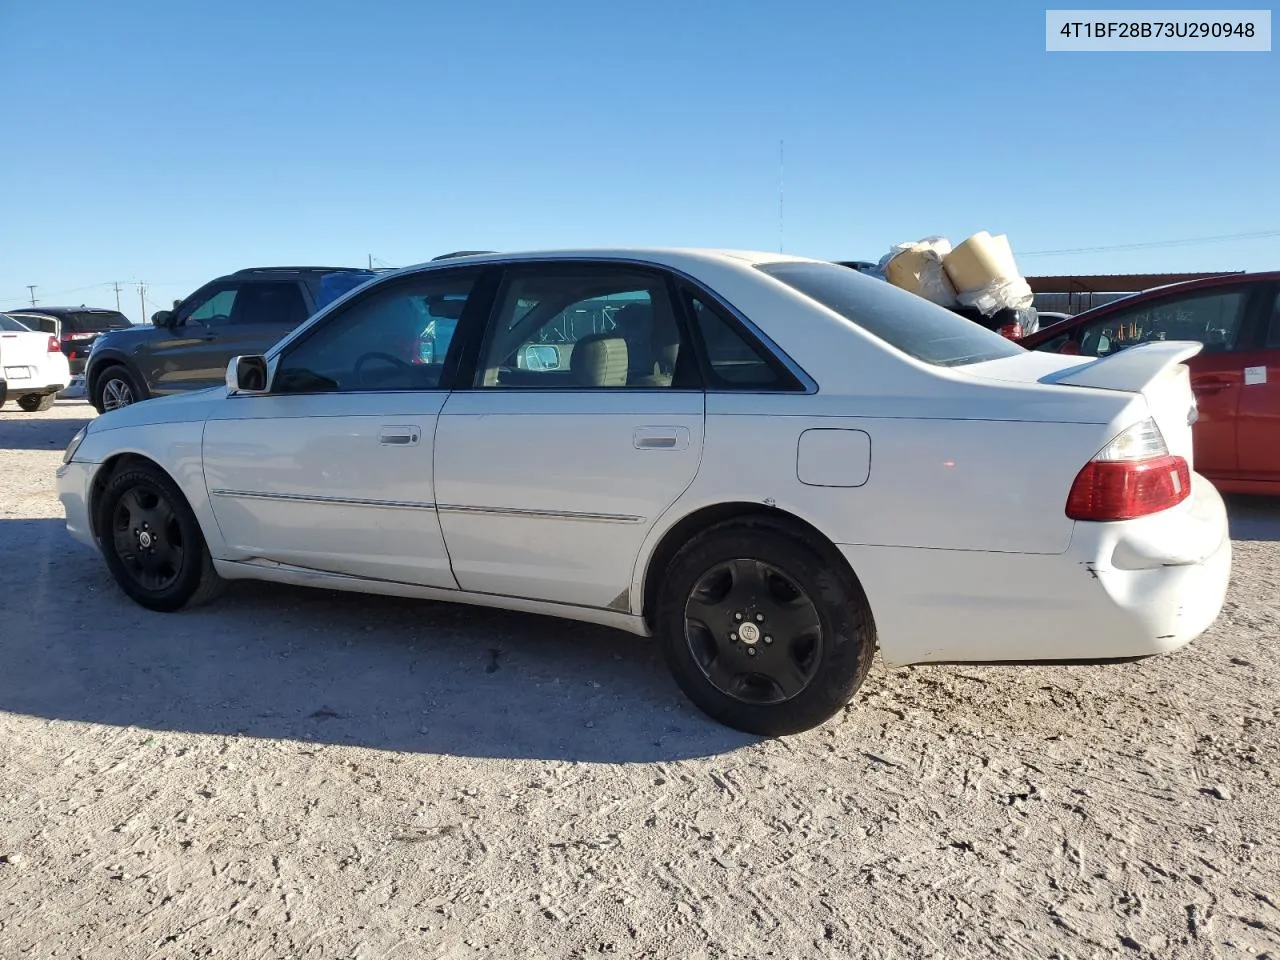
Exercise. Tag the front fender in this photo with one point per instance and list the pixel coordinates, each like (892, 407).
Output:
(176, 448)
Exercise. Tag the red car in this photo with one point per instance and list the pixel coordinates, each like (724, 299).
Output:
(1236, 378)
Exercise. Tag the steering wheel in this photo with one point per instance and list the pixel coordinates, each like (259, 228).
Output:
(379, 355)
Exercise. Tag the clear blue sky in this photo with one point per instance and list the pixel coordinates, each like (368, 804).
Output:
(170, 142)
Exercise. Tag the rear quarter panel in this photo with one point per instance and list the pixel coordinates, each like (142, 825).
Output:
(934, 481)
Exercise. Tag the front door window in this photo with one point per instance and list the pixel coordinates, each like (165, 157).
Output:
(1212, 318)
(395, 337)
(212, 309)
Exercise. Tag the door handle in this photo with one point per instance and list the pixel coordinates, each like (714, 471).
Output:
(660, 438)
(1208, 386)
(399, 436)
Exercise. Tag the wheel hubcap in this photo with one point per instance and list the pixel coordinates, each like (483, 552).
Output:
(147, 537)
(753, 631)
(115, 394)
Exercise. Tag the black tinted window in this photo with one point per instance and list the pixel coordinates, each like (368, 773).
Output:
(1273, 332)
(903, 320)
(11, 325)
(735, 361)
(275, 304)
(95, 321)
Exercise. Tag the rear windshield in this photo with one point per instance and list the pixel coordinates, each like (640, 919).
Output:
(915, 326)
(11, 325)
(95, 321)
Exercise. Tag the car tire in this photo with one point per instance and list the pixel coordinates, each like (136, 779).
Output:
(152, 542)
(115, 386)
(37, 402)
(718, 634)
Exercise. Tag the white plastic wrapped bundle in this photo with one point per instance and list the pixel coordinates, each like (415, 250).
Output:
(986, 276)
(1011, 294)
(918, 267)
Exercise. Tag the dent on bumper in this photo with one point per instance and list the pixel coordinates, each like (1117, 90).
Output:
(1122, 590)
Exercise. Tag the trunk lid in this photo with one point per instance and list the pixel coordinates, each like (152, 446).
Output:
(22, 354)
(1158, 371)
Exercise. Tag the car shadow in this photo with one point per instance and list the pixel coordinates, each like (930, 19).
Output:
(331, 668)
(1254, 518)
(34, 431)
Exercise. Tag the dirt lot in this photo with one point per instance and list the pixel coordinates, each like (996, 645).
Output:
(305, 774)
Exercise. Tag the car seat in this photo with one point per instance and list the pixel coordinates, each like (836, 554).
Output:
(599, 360)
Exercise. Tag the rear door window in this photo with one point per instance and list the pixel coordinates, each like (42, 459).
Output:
(10, 325)
(585, 326)
(1211, 317)
(269, 304)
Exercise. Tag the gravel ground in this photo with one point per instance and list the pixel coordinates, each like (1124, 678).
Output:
(306, 774)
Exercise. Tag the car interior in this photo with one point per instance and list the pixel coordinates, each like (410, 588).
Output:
(561, 331)
(566, 332)
(1212, 319)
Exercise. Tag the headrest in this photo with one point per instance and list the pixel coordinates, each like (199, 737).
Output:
(599, 360)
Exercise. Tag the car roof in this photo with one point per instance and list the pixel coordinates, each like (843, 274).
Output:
(676, 257)
(1203, 283)
(249, 270)
(61, 311)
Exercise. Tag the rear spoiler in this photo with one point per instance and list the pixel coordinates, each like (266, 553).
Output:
(1131, 369)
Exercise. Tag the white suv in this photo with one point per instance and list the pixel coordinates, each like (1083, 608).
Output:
(32, 365)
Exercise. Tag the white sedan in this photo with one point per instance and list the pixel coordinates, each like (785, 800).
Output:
(773, 464)
(33, 367)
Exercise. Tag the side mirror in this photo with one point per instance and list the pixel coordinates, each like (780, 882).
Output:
(246, 375)
(162, 318)
(541, 356)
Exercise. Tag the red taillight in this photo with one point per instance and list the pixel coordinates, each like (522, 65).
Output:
(1126, 489)
(1011, 331)
(54, 346)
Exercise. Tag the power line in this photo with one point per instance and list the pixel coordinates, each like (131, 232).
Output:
(1156, 244)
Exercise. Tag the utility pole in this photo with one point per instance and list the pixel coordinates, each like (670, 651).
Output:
(142, 299)
(371, 261)
(116, 285)
(31, 288)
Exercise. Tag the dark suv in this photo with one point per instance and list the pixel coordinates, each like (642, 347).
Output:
(77, 328)
(188, 347)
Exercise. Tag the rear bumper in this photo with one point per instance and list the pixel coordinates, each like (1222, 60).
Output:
(37, 385)
(1121, 590)
(51, 376)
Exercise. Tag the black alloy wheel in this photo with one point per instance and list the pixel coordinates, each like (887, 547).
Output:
(764, 626)
(753, 632)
